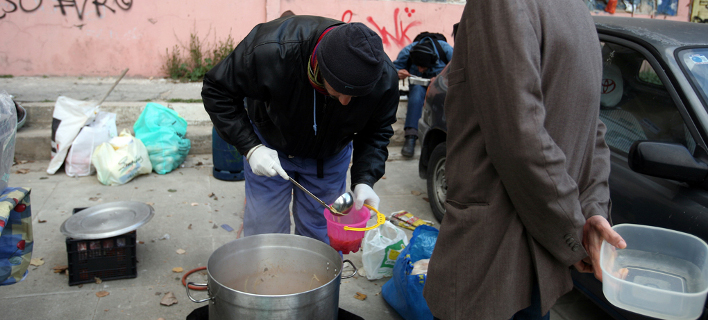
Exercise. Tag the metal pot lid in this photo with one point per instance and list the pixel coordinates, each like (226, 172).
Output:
(107, 220)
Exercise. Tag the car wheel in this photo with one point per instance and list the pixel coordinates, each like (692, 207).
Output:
(437, 184)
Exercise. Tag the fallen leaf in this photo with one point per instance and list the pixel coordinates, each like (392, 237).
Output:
(158, 293)
(169, 299)
(199, 163)
(181, 251)
(360, 296)
(41, 221)
(60, 269)
(211, 195)
(97, 280)
(384, 177)
(415, 193)
(94, 198)
(43, 178)
(194, 204)
(81, 285)
(22, 171)
(426, 199)
(216, 198)
(171, 190)
(189, 226)
(177, 269)
(214, 226)
(141, 242)
(102, 294)
(160, 318)
(22, 161)
(150, 203)
(37, 261)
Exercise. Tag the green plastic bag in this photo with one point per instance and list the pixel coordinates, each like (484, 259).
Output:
(163, 131)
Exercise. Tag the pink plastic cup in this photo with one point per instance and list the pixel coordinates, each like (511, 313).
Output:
(342, 240)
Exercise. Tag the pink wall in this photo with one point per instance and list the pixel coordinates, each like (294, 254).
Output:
(37, 38)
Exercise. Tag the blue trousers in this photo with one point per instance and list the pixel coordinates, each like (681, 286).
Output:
(416, 98)
(268, 198)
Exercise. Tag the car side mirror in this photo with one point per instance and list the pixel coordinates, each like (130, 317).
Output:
(666, 160)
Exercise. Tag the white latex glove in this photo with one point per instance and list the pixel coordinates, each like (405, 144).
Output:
(364, 194)
(264, 162)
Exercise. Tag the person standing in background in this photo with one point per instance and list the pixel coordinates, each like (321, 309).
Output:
(425, 57)
(527, 163)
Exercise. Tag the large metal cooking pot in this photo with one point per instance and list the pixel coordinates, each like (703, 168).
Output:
(273, 276)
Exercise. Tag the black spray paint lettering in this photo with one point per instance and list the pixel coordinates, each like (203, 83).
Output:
(78, 5)
(62, 4)
(19, 4)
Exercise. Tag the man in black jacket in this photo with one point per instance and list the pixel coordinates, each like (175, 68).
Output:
(316, 91)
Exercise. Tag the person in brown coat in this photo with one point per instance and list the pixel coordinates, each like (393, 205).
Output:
(527, 162)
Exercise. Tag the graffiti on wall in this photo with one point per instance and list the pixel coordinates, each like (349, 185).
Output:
(399, 37)
(66, 6)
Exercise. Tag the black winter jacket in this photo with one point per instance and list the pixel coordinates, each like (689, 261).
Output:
(269, 67)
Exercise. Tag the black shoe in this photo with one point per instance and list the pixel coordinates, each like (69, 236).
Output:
(409, 146)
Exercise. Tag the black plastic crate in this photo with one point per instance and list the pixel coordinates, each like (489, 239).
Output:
(108, 259)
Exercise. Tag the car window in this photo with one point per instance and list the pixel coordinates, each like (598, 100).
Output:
(695, 61)
(635, 104)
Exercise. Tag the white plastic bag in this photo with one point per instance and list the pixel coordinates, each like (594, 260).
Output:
(120, 160)
(381, 247)
(69, 117)
(8, 129)
(102, 129)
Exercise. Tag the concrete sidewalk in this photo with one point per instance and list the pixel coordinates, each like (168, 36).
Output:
(188, 215)
(39, 94)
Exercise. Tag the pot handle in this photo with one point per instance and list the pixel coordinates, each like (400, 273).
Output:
(190, 295)
(353, 266)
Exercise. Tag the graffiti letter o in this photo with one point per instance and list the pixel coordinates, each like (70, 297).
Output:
(39, 4)
(124, 4)
(348, 12)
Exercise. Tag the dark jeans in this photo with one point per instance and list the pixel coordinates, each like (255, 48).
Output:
(533, 312)
(416, 99)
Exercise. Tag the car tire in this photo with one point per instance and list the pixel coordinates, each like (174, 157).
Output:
(437, 183)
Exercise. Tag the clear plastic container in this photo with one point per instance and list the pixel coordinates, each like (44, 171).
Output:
(662, 273)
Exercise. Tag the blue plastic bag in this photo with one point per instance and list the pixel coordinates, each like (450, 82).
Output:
(16, 237)
(163, 131)
(404, 292)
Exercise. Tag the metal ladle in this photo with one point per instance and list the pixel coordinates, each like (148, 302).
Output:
(337, 207)
(344, 203)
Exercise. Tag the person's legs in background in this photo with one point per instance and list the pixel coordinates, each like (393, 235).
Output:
(416, 98)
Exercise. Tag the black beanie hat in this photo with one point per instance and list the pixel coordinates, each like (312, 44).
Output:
(350, 58)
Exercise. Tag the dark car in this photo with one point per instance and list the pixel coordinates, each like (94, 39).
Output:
(654, 104)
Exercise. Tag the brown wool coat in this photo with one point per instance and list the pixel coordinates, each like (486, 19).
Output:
(527, 161)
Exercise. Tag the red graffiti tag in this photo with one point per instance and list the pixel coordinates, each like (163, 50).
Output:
(400, 36)
(344, 16)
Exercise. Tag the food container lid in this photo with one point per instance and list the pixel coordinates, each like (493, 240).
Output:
(418, 80)
(107, 220)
